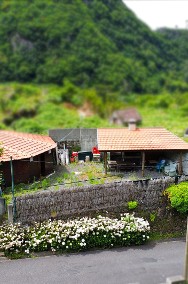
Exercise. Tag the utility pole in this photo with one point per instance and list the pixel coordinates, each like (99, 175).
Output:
(13, 197)
(186, 257)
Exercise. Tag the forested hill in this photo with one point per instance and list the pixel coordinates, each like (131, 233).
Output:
(89, 43)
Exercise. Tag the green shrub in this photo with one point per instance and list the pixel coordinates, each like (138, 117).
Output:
(132, 205)
(152, 217)
(45, 183)
(178, 196)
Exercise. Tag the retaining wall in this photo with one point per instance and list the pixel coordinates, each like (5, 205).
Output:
(81, 201)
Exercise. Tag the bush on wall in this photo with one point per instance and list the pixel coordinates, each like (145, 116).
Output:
(178, 196)
(132, 205)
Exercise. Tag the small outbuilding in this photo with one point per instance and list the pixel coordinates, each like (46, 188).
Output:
(30, 155)
(124, 116)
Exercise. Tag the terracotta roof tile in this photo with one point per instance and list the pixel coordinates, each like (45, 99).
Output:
(116, 139)
(23, 145)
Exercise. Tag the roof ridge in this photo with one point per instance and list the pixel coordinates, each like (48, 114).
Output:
(19, 145)
(27, 136)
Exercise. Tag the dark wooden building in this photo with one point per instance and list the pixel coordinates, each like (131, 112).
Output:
(32, 156)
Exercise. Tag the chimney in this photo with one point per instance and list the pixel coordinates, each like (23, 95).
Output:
(132, 124)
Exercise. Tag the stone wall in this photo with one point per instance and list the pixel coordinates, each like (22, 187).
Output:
(87, 200)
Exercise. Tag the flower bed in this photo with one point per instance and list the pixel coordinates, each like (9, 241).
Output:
(73, 235)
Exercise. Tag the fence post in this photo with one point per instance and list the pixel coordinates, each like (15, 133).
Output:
(10, 213)
(186, 256)
(13, 192)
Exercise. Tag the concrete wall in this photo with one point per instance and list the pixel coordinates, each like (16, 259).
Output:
(81, 201)
(68, 134)
(86, 136)
(88, 139)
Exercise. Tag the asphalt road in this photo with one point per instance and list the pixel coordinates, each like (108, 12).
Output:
(148, 264)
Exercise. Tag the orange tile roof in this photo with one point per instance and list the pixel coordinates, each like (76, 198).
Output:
(118, 139)
(23, 145)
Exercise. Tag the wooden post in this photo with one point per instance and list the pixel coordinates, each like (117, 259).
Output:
(143, 163)
(186, 256)
(105, 163)
(180, 164)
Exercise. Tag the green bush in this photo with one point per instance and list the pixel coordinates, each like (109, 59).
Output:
(178, 196)
(132, 205)
(152, 217)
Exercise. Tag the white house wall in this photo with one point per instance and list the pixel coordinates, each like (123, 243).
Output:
(185, 164)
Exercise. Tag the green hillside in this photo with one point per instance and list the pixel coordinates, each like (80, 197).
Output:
(37, 108)
(57, 56)
(90, 43)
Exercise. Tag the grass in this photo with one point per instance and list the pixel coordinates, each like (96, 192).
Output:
(166, 110)
(74, 174)
(157, 236)
(37, 108)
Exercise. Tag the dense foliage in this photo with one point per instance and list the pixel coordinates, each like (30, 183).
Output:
(73, 235)
(178, 196)
(37, 108)
(94, 53)
(33, 108)
(90, 43)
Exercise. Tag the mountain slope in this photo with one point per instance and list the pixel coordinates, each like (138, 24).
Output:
(89, 42)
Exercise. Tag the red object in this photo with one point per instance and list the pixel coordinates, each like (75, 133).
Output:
(74, 154)
(72, 160)
(95, 150)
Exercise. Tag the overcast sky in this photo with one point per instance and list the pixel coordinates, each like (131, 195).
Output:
(160, 13)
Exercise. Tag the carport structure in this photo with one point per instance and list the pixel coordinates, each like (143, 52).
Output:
(139, 148)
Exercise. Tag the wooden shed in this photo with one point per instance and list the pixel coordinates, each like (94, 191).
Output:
(31, 155)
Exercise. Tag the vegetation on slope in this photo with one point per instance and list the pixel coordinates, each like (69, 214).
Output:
(37, 108)
(67, 54)
(90, 43)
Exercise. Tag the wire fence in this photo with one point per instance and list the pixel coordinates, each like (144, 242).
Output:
(98, 180)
